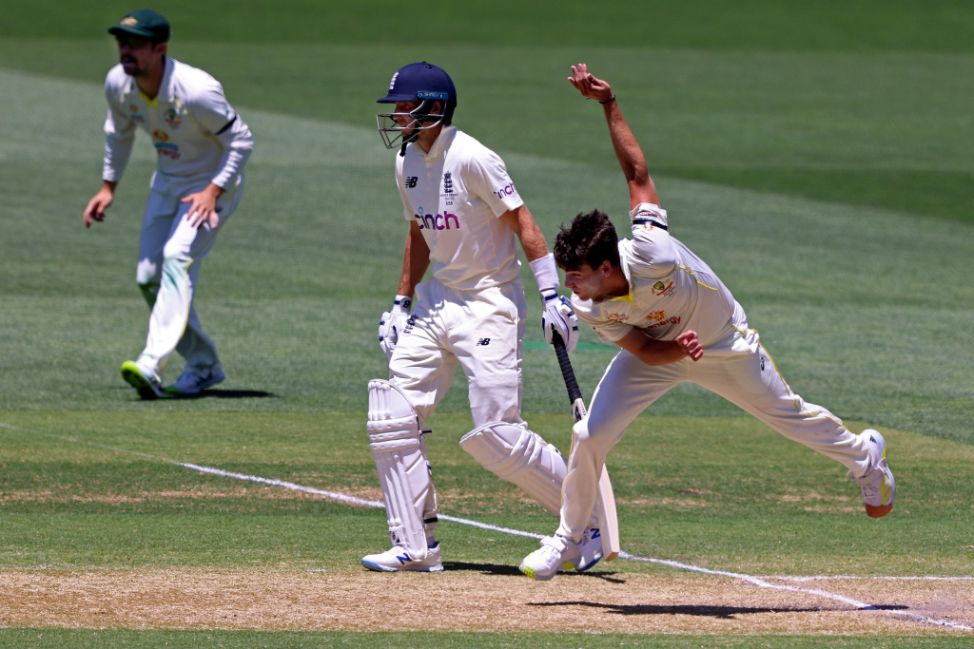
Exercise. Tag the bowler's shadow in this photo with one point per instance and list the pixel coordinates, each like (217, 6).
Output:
(704, 610)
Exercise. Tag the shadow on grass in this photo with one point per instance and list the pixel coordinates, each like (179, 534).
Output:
(215, 393)
(699, 610)
(507, 570)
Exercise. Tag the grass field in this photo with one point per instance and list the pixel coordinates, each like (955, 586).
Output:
(816, 154)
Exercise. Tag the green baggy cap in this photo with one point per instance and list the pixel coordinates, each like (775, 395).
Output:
(144, 23)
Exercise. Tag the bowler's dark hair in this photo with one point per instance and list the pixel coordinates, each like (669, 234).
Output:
(589, 239)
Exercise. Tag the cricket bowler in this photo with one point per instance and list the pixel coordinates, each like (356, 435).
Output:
(638, 292)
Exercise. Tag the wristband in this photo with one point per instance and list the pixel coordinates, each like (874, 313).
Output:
(545, 272)
(608, 101)
(403, 301)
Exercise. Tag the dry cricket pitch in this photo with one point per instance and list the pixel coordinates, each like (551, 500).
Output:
(471, 598)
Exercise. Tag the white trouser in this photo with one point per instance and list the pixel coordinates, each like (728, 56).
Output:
(482, 331)
(171, 252)
(738, 369)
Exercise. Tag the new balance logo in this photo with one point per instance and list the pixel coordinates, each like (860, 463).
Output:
(403, 558)
(483, 342)
(411, 181)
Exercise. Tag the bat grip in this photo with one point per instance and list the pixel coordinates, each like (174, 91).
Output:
(565, 363)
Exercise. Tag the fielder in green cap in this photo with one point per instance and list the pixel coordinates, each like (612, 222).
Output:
(202, 146)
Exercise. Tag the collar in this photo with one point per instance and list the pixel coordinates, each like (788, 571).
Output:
(442, 143)
(624, 245)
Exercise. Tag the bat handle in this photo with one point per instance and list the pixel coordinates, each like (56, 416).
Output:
(565, 363)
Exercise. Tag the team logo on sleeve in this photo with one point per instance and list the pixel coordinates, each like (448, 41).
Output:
(507, 190)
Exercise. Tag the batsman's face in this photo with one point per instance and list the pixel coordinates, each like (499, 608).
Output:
(588, 283)
(402, 118)
(139, 56)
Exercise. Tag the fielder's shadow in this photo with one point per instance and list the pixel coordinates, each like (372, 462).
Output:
(704, 610)
(507, 570)
(217, 393)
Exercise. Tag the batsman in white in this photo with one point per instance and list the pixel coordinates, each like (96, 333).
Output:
(465, 217)
(652, 288)
(202, 146)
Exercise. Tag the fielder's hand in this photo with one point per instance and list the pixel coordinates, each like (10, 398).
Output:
(393, 323)
(202, 207)
(589, 85)
(559, 316)
(691, 344)
(95, 210)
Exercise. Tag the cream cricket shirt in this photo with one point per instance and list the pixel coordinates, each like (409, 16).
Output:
(671, 290)
(197, 135)
(455, 194)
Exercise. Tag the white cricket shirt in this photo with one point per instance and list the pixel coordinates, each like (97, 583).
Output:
(671, 290)
(198, 136)
(454, 194)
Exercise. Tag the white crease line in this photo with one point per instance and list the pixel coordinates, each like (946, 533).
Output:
(801, 578)
(763, 583)
(375, 504)
(756, 581)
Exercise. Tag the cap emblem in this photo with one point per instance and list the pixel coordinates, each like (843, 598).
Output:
(129, 21)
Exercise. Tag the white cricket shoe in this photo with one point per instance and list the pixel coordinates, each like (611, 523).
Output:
(556, 552)
(877, 485)
(396, 559)
(194, 380)
(146, 383)
(591, 550)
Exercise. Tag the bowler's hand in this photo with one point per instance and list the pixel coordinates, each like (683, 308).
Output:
(690, 344)
(202, 207)
(588, 84)
(95, 210)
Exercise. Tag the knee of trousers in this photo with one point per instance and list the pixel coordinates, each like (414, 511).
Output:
(175, 261)
(593, 440)
(517, 454)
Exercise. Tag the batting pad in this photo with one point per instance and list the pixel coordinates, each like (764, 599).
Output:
(399, 451)
(516, 454)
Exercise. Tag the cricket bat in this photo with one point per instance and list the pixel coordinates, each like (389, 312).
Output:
(606, 506)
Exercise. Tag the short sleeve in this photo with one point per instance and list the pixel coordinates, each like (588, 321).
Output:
(487, 178)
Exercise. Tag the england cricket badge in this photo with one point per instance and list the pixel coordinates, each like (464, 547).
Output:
(448, 192)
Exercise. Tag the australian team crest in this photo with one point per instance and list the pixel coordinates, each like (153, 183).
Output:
(172, 117)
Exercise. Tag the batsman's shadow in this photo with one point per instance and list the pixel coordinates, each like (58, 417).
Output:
(494, 569)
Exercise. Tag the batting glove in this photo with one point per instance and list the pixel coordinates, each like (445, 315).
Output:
(559, 316)
(393, 323)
